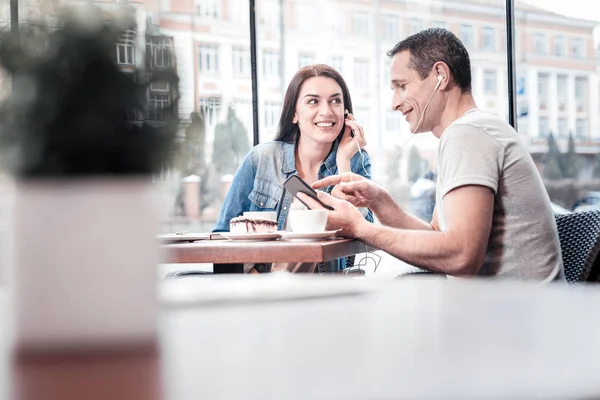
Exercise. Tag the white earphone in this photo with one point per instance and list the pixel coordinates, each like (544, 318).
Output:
(439, 81)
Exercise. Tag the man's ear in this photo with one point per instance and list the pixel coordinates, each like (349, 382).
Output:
(443, 74)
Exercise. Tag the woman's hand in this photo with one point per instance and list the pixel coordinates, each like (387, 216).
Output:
(349, 145)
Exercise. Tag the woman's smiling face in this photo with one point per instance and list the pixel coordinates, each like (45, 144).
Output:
(320, 109)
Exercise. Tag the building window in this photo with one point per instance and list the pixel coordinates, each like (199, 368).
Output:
(269, 14)
(489, 82)
(272, 114)
(209, 8)
(336, 62)
(126, 48)
(559, 46)
(159, 51)
(466, 35)
(581, 128)
(581, 87)
(159, 104)
(305, 59)
(393, 121)
(159, 86)
(209, 58)
(539, 44)
(577, 48)
(391, 27)
(543, 90)
(563, 130)
(360, 23)
(439, 24)
(544, 127)
(488, 38)
(241, 62)
(210, 108)
(414, 25)
(270, 67)
(561, 92)
(239, 15)
(361, 73)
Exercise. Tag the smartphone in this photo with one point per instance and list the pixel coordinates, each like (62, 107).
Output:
(294, 184)
(344, 126)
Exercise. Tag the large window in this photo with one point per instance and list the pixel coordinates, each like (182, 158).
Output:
(539, 44)
(561, 92)
(414, 25)
(543, 82)
(210, 108)
(577, 49)
(209, 59)
(391, 27)
(559, 46)
(207, 43)
(270, 69)
(489, 82)
(159, 104)
(467, 35)
(360, 23)
(567, 92)
(337, 63)
(361, 73)
(159, 51)
(241, 62)
(126, 48)
(272, 113)
(305, 59)
(581, 90)
(488, 38)
(208, 8)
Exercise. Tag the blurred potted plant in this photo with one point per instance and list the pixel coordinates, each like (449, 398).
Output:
(84, 237)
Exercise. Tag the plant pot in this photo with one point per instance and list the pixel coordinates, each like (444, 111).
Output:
(84, 257)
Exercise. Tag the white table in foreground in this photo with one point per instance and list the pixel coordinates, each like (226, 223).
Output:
(410, 338)
(290, 337)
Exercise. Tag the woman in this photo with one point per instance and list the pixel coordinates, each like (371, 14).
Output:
(315, 139)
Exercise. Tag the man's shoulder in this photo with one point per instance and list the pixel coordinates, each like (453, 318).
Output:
(480, 125)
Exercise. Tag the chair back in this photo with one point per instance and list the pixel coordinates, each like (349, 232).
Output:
(579, 235)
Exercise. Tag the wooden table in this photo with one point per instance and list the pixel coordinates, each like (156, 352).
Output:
(232, 251)
(412, 338)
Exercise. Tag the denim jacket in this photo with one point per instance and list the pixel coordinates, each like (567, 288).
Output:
(258, 183)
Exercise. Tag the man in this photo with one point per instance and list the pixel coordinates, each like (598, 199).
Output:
(492, 216)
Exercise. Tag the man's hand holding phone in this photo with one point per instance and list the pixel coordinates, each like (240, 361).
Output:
(343, 215)
(353, 188)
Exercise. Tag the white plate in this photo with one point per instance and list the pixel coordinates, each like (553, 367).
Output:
(182, 237)
(251, 236)
(308, 236)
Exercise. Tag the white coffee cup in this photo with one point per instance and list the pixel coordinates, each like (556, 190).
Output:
(270, 215)
(308, 221)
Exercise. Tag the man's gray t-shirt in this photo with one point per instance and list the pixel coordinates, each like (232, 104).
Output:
(481, 149)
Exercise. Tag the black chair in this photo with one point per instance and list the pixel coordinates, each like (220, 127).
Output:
(579, 235)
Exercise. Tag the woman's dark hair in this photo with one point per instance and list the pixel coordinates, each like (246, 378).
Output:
(288, 131)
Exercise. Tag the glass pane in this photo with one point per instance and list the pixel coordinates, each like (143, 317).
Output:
(353, 38)
(558, 87)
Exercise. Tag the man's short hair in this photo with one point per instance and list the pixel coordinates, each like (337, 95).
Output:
(436, 44)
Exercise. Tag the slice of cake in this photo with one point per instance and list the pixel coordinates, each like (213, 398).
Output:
(252, 225)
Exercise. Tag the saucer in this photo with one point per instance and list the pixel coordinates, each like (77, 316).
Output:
(308, 235)
(251, 236)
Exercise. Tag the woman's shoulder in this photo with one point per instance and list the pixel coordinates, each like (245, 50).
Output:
(267, 149)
